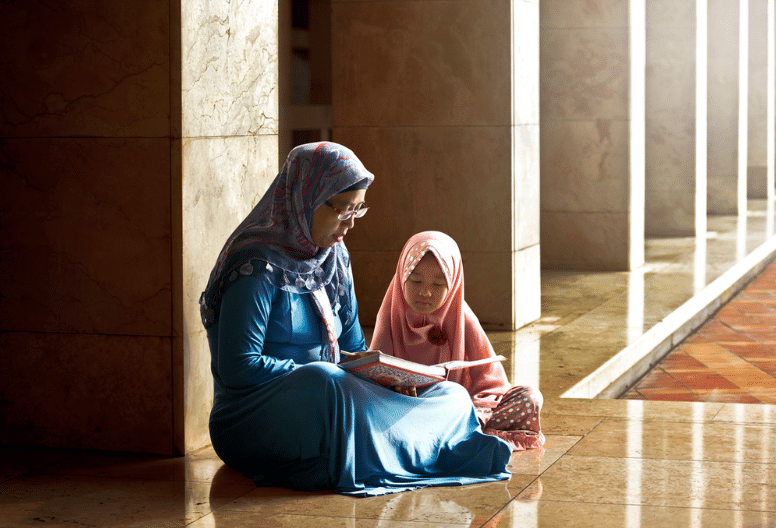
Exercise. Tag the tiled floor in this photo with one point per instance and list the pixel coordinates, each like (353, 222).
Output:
(607, 463)
(731, 358)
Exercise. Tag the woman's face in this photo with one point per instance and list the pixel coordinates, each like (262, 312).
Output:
(425, 290)
(327, 229)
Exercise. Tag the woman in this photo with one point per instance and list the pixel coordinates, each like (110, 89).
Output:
(424, 318)
(278, 308)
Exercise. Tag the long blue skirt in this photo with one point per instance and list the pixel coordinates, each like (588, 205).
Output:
(320, 427)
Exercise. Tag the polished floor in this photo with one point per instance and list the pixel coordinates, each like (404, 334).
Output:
(731, 358)
(608, 462)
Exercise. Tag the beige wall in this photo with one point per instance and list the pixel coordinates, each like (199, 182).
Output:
(424, 93)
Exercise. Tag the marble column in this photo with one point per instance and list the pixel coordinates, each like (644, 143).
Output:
(675, 203)
(440, 101)
(86, 236)
(132, 141)
(228, 150)
(770, 134)
(725, 181)
(757, 162)
(592, 134)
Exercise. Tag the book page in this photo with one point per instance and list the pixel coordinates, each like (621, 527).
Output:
(454, 365)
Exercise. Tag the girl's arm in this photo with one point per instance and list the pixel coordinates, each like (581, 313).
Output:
(486, 383)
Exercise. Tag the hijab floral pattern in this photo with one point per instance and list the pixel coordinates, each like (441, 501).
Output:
(275, 242)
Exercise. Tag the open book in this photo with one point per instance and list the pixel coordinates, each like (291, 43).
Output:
(391, 371)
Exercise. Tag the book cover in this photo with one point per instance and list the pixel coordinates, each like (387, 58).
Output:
(391, 371)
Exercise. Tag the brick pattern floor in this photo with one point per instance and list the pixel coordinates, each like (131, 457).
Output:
(731, 358)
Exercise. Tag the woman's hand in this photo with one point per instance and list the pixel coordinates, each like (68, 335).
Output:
(350, 356)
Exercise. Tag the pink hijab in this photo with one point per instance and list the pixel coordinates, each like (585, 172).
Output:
(450, 333)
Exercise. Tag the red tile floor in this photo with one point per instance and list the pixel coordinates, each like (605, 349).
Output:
(731, 358)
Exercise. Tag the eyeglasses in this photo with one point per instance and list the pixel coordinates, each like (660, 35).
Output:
(358, 212)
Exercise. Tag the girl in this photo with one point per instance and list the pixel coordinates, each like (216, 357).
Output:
(425, 319)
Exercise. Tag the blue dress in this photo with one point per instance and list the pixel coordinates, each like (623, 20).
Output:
(285, 418)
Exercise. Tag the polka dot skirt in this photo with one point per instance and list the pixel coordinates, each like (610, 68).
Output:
(516, 418)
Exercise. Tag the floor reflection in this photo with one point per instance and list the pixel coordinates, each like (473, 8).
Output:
(607, 463)
(588, 318)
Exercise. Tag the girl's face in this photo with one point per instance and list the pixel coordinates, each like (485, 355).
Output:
(327, 229)
(426, 288)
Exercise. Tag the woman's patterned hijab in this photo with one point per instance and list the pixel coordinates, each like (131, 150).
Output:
(275, 241)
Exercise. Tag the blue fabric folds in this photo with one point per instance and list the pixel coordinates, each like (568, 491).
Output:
(285, 418)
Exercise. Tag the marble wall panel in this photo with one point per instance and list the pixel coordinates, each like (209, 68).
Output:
(758, 57)
(756, 178)
(670, 177)
(670, 77)
(586, 124)
(526, 285)
(526, 187)
(86, 235)
(85, 117)
(223, 179)
(488, 287)
(758, 99)
(584, 165)
(525, 63)
(667, 18)
(451, 179)
(486, 276)
(86, 391)
(723, 68)
(84, 69)
(430, 178)
(587, 14)
(423, 63)
(229, 156)
(756, 140)
(229, 67)
(525, 132)
(372, 273)
(584, 73)
(440, 101)
(670, 121)
(585, 241)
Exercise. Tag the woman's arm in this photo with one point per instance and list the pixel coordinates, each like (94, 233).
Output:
(246, 308)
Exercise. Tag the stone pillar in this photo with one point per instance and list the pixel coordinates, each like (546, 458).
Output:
(724, 118)
(757, 162)
(675, 187)
(228, 150)
(770, 143)
(592, 134)
(86, 288)
(440, 101)
(132, 141)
